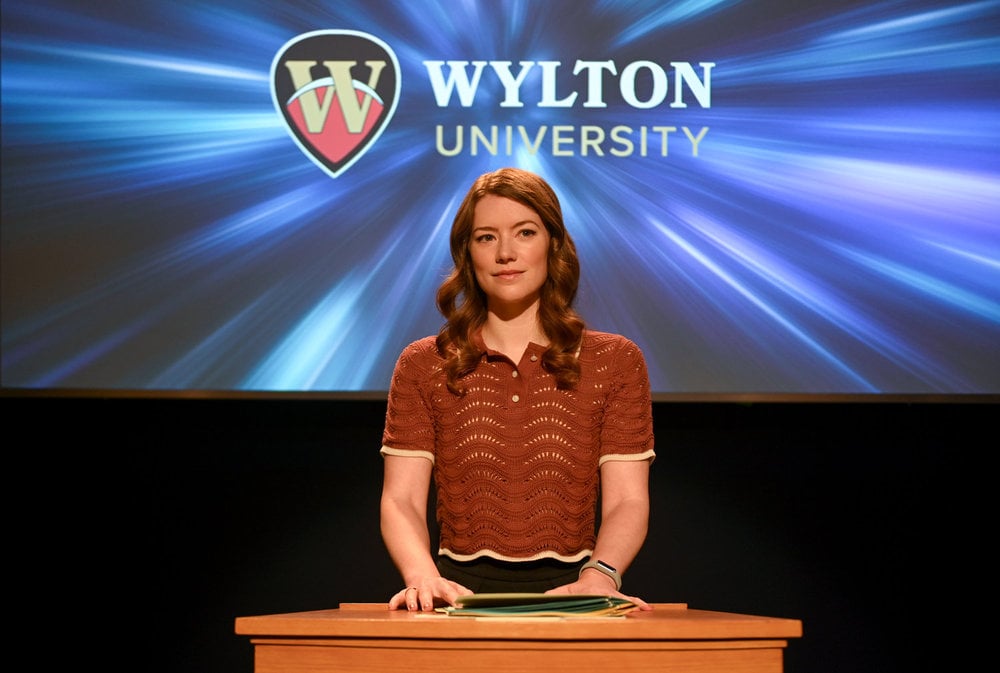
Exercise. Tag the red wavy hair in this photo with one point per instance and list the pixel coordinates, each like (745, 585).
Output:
(463, 303)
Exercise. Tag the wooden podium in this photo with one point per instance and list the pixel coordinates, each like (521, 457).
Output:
(370, 637)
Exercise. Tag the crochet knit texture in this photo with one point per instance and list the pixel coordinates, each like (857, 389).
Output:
(516, 461)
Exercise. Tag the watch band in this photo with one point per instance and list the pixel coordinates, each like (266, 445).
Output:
(606, 569)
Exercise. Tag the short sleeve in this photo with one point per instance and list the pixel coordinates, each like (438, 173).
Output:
(409, 421)
(628, 418)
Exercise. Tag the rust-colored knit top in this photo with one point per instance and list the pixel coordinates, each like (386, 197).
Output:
(516, 461)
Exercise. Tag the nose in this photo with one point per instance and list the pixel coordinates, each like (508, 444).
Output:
(505, 250)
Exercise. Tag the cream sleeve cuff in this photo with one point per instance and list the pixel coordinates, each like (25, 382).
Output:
(389, 451)
(649, 455)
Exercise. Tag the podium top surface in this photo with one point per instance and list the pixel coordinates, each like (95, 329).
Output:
(666, 621)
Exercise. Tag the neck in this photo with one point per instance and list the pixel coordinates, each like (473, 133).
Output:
(511, 336)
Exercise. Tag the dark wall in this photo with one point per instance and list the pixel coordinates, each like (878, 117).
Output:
(162, 520)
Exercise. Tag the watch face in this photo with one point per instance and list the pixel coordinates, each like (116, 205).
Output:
(608, 570)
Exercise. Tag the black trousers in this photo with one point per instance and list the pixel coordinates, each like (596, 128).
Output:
(489, 576)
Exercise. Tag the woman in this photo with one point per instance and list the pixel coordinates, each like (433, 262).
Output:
(524, 419)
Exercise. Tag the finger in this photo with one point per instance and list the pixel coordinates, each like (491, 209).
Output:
(453, 590)
(643, 605)
(412, 596)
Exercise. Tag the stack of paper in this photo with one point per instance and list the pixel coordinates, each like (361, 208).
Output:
(538, 605)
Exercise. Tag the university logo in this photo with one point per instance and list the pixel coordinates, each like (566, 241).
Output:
(336, 91)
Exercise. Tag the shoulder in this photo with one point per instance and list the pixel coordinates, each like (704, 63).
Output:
(422, 346)
(608, 342)
(613, 365)
(421, 351)
(612, 355)
(419, 357)
(417, 365)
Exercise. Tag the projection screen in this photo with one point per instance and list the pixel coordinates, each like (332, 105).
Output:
(771, 198)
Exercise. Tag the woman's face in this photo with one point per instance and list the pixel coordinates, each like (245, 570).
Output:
(509, 247)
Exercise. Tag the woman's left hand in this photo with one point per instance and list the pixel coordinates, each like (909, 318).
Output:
(596, 586)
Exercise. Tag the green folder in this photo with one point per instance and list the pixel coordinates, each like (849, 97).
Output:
(538, 605)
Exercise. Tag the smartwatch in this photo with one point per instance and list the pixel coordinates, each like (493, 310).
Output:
(606, 569)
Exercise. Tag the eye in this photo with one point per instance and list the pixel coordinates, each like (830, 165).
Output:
(483, 238)
(528, 233)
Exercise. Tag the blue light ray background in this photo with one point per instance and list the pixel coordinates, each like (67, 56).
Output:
(836, 233)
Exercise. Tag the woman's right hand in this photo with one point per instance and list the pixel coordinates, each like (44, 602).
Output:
(429, 593)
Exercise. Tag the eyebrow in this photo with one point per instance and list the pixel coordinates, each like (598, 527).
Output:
(512, 226)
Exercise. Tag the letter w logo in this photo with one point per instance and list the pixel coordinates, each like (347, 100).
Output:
(333, 116)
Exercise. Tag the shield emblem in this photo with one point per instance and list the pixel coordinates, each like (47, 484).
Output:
(336, 91)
